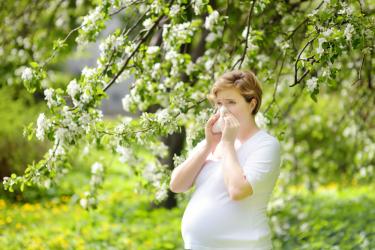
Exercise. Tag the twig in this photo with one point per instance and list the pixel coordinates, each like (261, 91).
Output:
(276, 85)
(296, 80)
(360, 70)
(247, 36)
(132, 54)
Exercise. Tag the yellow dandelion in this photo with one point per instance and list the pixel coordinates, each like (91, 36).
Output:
(2, 203)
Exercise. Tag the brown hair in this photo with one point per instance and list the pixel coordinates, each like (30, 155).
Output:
(243, 80)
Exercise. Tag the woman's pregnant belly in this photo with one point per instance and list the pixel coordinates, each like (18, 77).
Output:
(213, 219)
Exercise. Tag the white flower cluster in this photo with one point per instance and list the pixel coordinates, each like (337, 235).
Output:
(346, 10)
(163, 116)
(43, 125)
(157, 6)
(97, 168)
(125, 153)
(97, 178)
(327, 33)
(349, 30)
(312, 84)
(27, 74)
(51, 98)
(90, 24)
(211, 20)
(112, 42)
(72, 90)
(148, 23)
(153, 174)
(261, 120)
(126, 101)
(87, 201)
(162, 192)
(152, 50)
(320, 49)
(175, 9)
(89, 21)
(198, 6)
(177, 34)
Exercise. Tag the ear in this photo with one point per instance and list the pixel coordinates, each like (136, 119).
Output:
(253, 104)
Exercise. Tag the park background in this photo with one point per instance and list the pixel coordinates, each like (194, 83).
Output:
(315, 62)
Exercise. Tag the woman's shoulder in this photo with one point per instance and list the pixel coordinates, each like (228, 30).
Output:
(267, 138)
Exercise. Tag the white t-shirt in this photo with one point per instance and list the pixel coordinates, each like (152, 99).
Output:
(214, 221)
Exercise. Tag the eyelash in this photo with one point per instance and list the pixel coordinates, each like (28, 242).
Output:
(219, 103)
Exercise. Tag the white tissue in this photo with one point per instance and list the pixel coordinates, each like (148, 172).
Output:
(219, 124)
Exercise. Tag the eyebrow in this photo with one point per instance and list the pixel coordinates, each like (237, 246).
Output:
(225, 99)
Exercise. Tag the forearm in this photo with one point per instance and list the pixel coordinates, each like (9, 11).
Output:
(232, 171)
(184, 175)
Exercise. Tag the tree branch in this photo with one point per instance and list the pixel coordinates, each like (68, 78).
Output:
(247, 36)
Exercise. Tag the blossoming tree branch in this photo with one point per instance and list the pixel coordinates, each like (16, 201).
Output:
(174, 50)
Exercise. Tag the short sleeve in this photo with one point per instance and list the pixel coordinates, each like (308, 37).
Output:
(196, 148)
(262, 166)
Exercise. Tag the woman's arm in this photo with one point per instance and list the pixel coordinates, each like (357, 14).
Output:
(184, 175)
(234, 178)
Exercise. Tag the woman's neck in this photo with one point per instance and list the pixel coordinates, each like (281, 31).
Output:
(247, 131)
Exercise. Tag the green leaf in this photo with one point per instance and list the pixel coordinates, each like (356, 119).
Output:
(209, 9)
(34, 65)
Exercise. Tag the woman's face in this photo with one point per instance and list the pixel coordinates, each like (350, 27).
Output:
(235, 103)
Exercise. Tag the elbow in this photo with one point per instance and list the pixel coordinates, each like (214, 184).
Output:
(175, 189)
(238, 195)
(235, 197)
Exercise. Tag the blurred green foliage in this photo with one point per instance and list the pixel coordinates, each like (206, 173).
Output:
(17, 110)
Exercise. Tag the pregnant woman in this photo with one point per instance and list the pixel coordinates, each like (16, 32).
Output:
(234, 171)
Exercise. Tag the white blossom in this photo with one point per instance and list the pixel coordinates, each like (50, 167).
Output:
(73, 88)
(42, 126)
(96, 168)
(189, 68)
(345, 10)
(89, 21)
(349, 31)
(261, 120)
(124, 152)
(83, 202)
(87, 72)
(312, 84)
(198, 6)
(209, 64)
(126, 101)
(87, 94)
(155, 70)
(162, 193)
(112, 42)
(313, 13)
(172, 56)
(153, 50)
(27, 74)
(327, 32)
(51, 101)
(175, 9)
(148, 23)
(211, 20)
(163, 115)
(320, 49)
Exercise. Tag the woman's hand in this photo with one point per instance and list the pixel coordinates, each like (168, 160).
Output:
(212, 139)
(231, 128)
